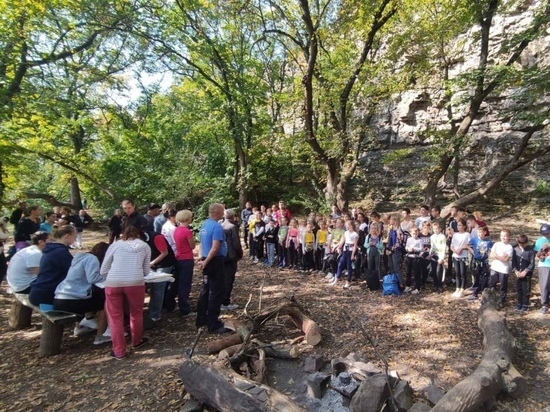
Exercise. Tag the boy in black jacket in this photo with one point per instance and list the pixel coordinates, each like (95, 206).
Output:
(523, 264)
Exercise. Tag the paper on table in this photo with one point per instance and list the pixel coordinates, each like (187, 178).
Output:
(155, 277)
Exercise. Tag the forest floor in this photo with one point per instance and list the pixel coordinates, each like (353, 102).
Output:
(427, 338)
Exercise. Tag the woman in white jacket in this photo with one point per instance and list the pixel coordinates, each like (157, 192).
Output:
(125, 265)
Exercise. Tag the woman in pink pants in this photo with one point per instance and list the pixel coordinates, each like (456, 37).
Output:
(126, 263)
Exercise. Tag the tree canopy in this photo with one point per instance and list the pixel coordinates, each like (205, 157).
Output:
(195, 101)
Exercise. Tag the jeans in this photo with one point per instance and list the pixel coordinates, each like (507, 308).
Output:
(184, 272)
(210, 299)
(270, 253)
(156, 295)
(345, 260)
(114, 304)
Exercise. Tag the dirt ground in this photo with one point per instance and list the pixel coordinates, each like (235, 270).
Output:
(428, 338)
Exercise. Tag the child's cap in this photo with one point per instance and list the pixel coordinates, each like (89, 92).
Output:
(545, 229)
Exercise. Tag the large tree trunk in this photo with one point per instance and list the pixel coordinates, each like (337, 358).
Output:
(495, 373)
(75, 193)
(227, 391)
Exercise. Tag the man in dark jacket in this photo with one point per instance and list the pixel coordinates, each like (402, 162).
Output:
(132, 217)
(234, 253)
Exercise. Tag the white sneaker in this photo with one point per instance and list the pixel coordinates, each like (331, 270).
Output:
(333, 282)
(407, 289)
(108, 333)
(98, 340)
(89, 323)
(329, 276)
(415, 292)
(231, 306)
(82, 330)
(346, 285)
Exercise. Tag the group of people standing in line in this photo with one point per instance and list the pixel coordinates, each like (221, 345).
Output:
(98, 283)
(449, 251)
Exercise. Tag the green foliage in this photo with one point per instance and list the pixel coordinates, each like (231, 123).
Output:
(542, 188)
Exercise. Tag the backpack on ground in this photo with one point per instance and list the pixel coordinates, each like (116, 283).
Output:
(390, 285)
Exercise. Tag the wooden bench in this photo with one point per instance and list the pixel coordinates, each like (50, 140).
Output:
(53, 323)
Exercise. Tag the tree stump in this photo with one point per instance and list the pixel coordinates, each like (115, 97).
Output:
(495, 373)
(20, 315)
(50, 339)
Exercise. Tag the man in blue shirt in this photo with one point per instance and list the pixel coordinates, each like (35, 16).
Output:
(213, 249)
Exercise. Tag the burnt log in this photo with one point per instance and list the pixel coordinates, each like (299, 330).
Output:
(227, 391)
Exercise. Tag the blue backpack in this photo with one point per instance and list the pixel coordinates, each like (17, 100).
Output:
(390, 285)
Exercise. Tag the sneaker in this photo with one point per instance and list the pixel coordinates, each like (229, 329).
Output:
(518, 308)
(415, 292)
(407, 289)
(99, 340)
(231, 306)
(255, 260)
(346, 285)
(90, 323)
(83, 330)
(525, 308)
(113, 356)
(108, 332)
(329, 276)
(333, 282)
(140, 344)
(472, 297)
(544, 310)
(459, 293)
(188, 314)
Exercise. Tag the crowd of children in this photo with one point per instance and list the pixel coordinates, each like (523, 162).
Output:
(457, 251)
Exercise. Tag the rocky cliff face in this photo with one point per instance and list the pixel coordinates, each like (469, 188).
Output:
(408, 124)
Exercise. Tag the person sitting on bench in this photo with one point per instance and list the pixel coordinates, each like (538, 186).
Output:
(24, 264)
(77, 293)
(54, 265)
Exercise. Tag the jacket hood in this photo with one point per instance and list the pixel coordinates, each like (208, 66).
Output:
(132, 246)
(53, 247)
(81, 257)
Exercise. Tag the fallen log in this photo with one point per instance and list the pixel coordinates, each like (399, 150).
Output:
(270, 351)
(311, 330)
(495, 373)
(242, 335)
(223, 343)
(227, 391)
